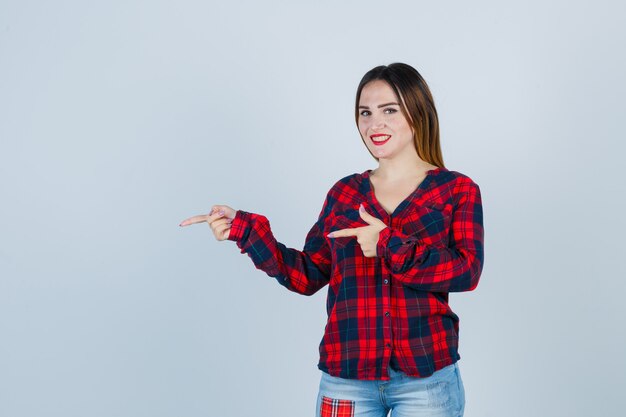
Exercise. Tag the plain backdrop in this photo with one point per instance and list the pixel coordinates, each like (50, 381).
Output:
(119, 119)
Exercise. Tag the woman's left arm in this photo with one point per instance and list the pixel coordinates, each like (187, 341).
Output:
(434, 268)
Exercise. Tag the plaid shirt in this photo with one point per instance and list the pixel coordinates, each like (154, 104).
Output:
(392, 307)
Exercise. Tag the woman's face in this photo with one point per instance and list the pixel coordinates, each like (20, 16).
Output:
(382, 125)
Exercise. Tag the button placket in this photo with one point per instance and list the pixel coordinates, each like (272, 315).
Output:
(386, 303)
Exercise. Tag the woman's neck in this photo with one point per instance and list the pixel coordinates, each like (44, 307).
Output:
(396, 170)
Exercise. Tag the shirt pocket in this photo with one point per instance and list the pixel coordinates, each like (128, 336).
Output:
(429, 222)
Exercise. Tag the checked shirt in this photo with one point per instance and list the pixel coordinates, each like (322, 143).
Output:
(391, 308)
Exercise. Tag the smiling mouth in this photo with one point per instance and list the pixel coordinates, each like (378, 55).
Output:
(380, 139)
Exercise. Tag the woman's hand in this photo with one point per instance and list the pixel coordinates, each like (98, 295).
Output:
(219, 219)
(366, 236)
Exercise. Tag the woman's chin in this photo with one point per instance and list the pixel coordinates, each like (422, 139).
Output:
(381, 153)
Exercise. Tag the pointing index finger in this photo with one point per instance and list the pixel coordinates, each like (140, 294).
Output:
(343, 232)
(201, 218)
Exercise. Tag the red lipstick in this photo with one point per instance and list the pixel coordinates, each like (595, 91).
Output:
(381, 142)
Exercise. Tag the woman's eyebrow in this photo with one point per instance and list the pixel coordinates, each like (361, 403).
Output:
(380, 105)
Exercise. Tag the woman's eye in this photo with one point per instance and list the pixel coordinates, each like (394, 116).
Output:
(387, 110)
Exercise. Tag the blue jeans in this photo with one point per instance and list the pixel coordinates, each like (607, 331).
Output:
(439, 395)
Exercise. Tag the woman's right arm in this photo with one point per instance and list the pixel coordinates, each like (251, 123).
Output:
(303, 272)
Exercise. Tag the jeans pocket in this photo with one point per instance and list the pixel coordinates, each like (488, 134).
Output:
(439, 395)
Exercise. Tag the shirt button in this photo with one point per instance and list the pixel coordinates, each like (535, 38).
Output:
(387, 313)
(386, 281)
(388, 345)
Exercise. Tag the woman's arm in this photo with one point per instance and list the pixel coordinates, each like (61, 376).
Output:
(434, 268)
(303, 272)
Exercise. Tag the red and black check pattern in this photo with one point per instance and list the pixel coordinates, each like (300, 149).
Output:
(393, 306)
(331, 407)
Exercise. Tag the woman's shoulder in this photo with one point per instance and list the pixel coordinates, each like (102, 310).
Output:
(340, 193)
(346, 190)
(458, 186)
(449, 186)
(353, 180)
(457, 177)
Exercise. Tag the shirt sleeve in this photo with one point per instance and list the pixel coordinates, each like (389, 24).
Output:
(435, 268)
(303, 272)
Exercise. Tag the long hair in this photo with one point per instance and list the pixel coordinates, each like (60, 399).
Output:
(418, 107)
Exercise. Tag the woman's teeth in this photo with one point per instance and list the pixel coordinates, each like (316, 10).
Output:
(379, 140)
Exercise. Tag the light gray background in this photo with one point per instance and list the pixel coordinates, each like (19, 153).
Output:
(120, 119)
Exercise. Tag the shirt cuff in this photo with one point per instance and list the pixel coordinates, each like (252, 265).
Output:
(238, 225)
(395, 244)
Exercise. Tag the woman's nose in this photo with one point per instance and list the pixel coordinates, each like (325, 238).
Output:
(378, 123)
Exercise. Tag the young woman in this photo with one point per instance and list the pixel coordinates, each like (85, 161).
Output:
(391, 243)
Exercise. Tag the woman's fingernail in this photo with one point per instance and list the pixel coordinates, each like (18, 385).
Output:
(330, 234)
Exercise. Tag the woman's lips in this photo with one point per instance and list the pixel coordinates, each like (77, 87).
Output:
(380, 139)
